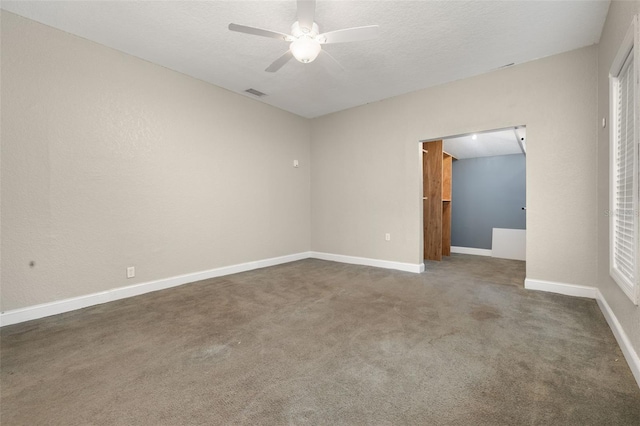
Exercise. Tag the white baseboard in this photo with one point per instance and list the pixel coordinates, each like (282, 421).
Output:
(60, 306)
(630, 355)
(53, 308)
(387, 264)
(561, 288)
(471, 250)
(625, 344)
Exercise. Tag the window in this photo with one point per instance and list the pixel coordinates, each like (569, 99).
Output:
(624, 226)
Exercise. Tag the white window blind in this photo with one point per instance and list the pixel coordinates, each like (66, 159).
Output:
(625, 168)
(624, 247)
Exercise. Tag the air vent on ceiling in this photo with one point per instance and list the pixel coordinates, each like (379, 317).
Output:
(255, 92)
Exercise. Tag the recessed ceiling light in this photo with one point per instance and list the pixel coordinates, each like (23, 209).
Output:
(474, 137)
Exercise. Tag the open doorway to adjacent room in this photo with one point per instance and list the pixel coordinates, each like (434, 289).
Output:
(474, 194)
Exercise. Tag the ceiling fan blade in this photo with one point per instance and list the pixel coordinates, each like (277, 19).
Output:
(351, 34)
(279, 63)
(329, 62)
(260, 32)
(306, 12)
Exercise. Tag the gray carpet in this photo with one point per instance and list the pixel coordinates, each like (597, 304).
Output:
(315, 342)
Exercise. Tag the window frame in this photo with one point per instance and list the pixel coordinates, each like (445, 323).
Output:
(630, 46)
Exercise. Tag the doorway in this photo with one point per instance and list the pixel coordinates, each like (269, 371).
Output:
(474, 194)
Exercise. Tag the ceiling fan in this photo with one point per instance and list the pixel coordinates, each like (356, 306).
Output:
(306, 39)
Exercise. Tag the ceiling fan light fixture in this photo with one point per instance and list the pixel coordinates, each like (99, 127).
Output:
(305, 49)
(306, 39)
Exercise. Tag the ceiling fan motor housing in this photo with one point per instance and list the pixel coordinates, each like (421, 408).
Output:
(297, 31)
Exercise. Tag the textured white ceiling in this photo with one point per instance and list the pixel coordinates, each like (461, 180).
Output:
(422, 43)
(487, 144)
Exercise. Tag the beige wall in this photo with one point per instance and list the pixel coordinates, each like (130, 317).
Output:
(618, 22)
(110, 161)
(366, 171)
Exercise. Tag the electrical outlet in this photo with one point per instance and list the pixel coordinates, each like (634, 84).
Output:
(131, 271)
(387, 237)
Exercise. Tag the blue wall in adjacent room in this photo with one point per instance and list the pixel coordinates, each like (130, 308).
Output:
(487, 193)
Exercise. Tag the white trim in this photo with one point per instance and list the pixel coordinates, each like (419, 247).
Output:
(471, 250)
(630, 355)
(561, 288)
(60, 306)
(623, 341)
(53, 308)
(387, 264)
(629, 45)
